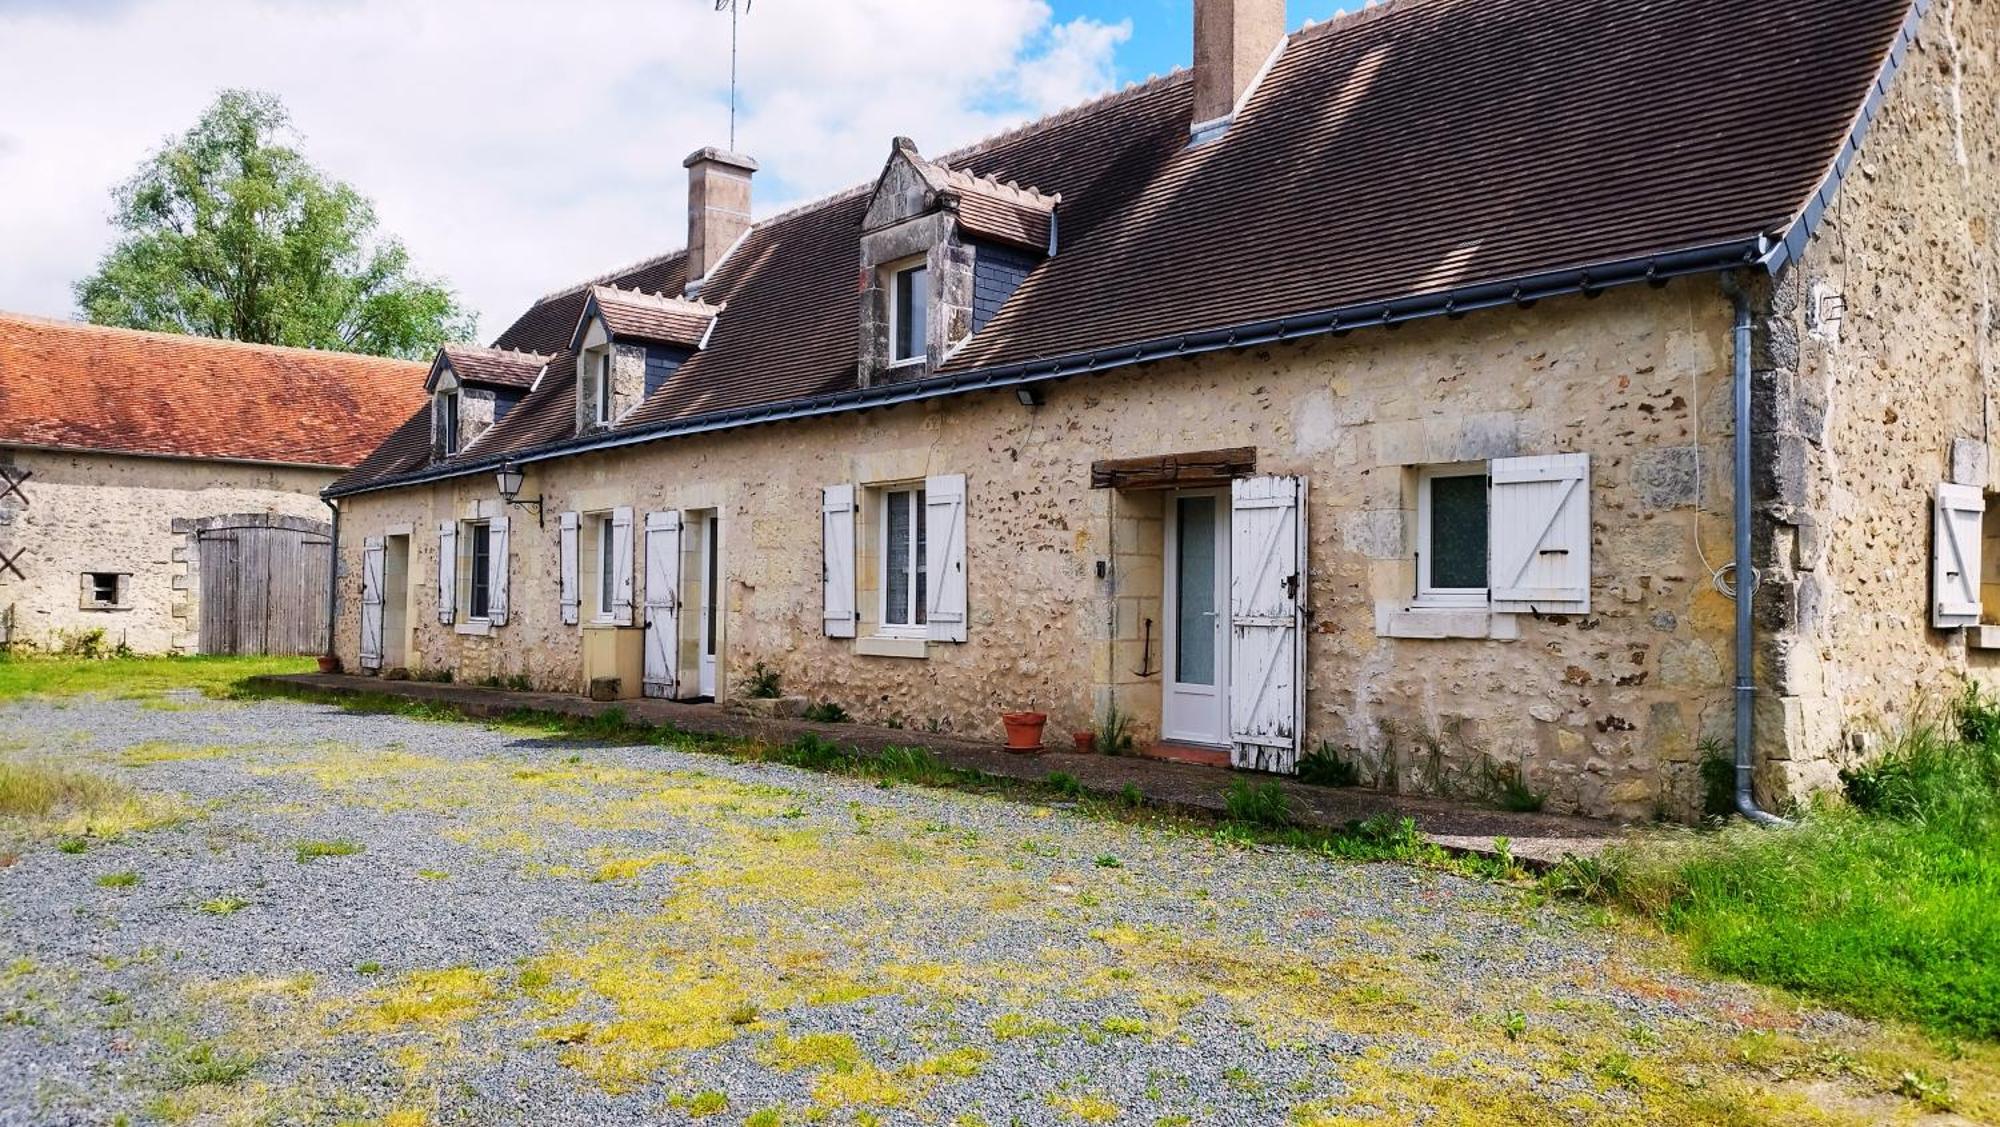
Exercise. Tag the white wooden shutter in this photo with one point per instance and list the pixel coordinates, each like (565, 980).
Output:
(663, 601)
(1957, 520)
(496, 570)
(1267, 582)
(621, 564)
(447, 572)
(372, 553)
(1538, 534)
(571, 600)
(944, 556)
(837, 563)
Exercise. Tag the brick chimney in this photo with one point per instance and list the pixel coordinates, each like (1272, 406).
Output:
(718, 207)
(1232, 39)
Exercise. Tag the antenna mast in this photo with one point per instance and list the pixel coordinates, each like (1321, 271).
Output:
(730, 5)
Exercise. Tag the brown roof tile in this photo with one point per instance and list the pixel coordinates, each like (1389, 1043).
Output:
(64, 384)
(652, 316)
(1411, 148)
(502, 366)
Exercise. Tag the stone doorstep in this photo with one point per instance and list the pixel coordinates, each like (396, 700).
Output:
(1537, 840)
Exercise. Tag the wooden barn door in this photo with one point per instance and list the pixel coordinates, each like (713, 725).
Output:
(263, 584)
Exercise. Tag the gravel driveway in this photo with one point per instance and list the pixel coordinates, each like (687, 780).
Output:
(371, 919)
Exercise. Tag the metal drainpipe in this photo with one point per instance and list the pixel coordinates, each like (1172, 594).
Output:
(332, 575)
(1744, 574)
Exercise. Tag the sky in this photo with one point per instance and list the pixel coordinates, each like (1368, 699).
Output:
(517, 146)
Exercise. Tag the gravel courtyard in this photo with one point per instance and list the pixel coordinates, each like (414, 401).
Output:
(369, 919)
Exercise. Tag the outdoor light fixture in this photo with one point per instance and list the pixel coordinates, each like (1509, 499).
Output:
(509, 479)
(1029, 396)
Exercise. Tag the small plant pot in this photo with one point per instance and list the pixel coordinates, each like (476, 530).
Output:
(329, 663)
(1024, 730)
(1086, 742)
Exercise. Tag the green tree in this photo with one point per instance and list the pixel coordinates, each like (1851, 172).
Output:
(230, 232)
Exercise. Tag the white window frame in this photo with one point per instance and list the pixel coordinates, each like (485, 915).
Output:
(604, 579)
(915, 559)
(1427, 594)
(897, 271)
(467, 530)
(602, 374)
(448, 410)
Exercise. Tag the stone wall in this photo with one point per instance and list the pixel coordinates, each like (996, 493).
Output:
(1877, 357)
(110, 513)
(1603, 711)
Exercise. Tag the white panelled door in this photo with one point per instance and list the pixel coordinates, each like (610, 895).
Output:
(1267, 584)
(663, 603)
(373, 551)
(1958, 521)
(1195, 680)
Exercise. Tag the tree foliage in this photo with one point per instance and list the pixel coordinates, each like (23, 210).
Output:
(230, 232)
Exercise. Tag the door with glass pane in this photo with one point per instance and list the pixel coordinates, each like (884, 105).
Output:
(1196, 594)
(711, 600)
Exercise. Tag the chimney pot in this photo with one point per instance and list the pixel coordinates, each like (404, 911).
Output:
(718, 207)
(1232, 39)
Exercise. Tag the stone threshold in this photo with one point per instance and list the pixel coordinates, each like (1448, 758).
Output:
(1538, 840)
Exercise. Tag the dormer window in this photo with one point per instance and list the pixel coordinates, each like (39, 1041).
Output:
(447, 408)
(908, 314)
(603, 377)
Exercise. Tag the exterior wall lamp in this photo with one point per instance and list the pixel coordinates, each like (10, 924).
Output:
(509, 480)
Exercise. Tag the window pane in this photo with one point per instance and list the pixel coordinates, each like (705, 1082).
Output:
(709, 593)
(923, 568)
(481, 570)
(606, 578)
(896, 560)
(1458, 531)
(1194, 586)
(911, 311)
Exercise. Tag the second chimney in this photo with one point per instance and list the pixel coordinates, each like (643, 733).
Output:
(1232, 39)
(718, 207)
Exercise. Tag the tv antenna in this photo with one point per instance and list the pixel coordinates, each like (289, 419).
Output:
(731, 6)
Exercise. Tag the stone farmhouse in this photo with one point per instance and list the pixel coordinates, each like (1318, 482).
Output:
(161, 492)
(1420, 388)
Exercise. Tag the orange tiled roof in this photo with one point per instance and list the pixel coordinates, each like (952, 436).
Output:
(64, 384)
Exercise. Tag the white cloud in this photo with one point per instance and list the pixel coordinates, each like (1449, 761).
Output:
(517, 146)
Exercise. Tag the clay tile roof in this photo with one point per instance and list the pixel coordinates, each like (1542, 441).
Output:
(88, 387)
(1008, 212)
(653, 316)
(1416, 147)
(502, 366)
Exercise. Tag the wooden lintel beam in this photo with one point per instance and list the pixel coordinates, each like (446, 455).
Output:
(1172, 471)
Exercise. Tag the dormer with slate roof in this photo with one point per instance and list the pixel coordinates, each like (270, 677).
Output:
(471, 388)
(941, 250)
(627, 344)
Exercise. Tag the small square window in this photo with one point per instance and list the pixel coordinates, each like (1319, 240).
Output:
(104, 588)
(909, 301)
(1452, 535)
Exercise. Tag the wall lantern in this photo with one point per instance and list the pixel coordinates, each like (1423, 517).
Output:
(510, 479)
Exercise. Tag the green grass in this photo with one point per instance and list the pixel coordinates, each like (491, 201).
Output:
(312, 850)
(125, 879)
(134, 676)
(1885, 903)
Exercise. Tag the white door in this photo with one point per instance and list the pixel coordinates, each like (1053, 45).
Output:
(373, 552)
(663, 602)
(711, 600)
(1195, 653)
(1267, 618)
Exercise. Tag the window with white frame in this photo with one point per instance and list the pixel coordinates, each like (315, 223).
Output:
(1452, 535)
(904, 578)
(909, 299)
(603, 570)
(603, 377)
(447, 409)
(475, 541)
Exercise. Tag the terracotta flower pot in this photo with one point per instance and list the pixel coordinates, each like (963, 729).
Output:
(1086, 742)
(329, 663)
(1024, 730)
